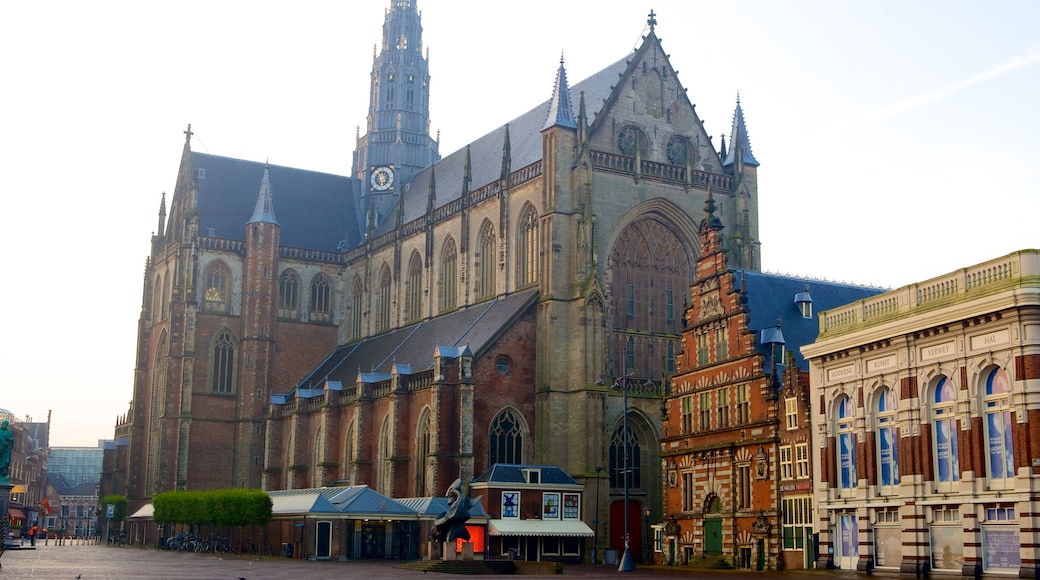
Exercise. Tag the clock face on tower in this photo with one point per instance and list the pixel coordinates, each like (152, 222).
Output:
(382, 178)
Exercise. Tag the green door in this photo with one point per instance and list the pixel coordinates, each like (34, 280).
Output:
(713, 535)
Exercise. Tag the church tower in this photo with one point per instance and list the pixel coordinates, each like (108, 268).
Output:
(397, 142)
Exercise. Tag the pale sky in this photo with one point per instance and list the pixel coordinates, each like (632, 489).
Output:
(897, 140)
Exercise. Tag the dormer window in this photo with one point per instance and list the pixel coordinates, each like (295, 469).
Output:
(533, 475)
(804, 302)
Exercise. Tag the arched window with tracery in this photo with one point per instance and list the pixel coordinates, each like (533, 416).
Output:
(651, 273)
(157, 301)
(384, 462)
(349, 457)
(289, 295)
(167, 286)
(216, 292)
(423, 447)
(621, 442)
(1000, 448)
(383, 298)
(486, 280)
(321, 299)
(506, 438)
(356, 308)
(449, 277)
(223, 363)
(156, 414)
(527, 247)
(414, 290)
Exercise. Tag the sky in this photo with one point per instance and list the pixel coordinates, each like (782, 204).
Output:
(897, 140)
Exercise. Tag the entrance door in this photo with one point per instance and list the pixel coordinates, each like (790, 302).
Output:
(323, 541)
(713, 536)
(848, 541)
(635, 528)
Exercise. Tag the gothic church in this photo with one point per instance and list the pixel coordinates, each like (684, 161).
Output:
(429, 316)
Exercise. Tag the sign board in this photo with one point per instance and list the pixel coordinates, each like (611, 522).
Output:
(110, 510)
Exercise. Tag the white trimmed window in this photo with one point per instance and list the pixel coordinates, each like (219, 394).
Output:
(801, 460)
(786, 463)
(791, 413)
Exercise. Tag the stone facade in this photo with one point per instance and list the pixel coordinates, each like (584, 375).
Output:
(926, 425)
(270, 357)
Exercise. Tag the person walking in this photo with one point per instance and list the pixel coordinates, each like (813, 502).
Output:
(32, 535)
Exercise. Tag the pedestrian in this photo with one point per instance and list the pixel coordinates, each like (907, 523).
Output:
(32, 535)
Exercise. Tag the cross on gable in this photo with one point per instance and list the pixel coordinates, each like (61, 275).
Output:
(652, 20)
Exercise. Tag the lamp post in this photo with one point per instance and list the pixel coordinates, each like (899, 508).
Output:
(595, 547)
(621, 383)
(627, 564)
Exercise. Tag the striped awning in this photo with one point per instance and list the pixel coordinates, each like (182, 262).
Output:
(539, 528)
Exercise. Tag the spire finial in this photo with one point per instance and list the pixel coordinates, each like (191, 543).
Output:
(188, 134)
(651, 20)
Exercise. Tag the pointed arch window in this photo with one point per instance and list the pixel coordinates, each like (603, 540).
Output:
(288, 295)
(449, 275)
(356, 309)
(1000, 448)
(413, 303)
(486, 282)
(384, 465)
(423, 447)
(167, 284)
(321, 299)
(844, 417)
(223, 363)
(156, 415)
(382, 321)
(506, 441)
(157, 301)
(216, 295)
(887, 439)
(349, 445)
(617, 458)
(527, 248)
(944, 439)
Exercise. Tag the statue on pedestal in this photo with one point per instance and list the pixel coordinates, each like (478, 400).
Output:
(451, 525)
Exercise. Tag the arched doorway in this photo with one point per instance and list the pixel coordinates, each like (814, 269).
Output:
(635, 528)
(713, 526)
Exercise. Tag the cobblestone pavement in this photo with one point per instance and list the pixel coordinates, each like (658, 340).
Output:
(94, 562)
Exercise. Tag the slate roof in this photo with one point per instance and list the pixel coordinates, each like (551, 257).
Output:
(486, 152)
(772, 296)
(513, 474)
(300, 501)
(414, 346)
(435, 506)
(363, 500)
(316, 210)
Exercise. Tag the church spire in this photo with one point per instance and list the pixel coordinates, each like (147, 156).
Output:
(560, 112)
(264, 210)
(739, 144)
(467, 173)
(507, 155)
(162, 215)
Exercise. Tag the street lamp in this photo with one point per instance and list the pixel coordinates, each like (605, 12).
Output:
(595, 547)
(621, 383)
